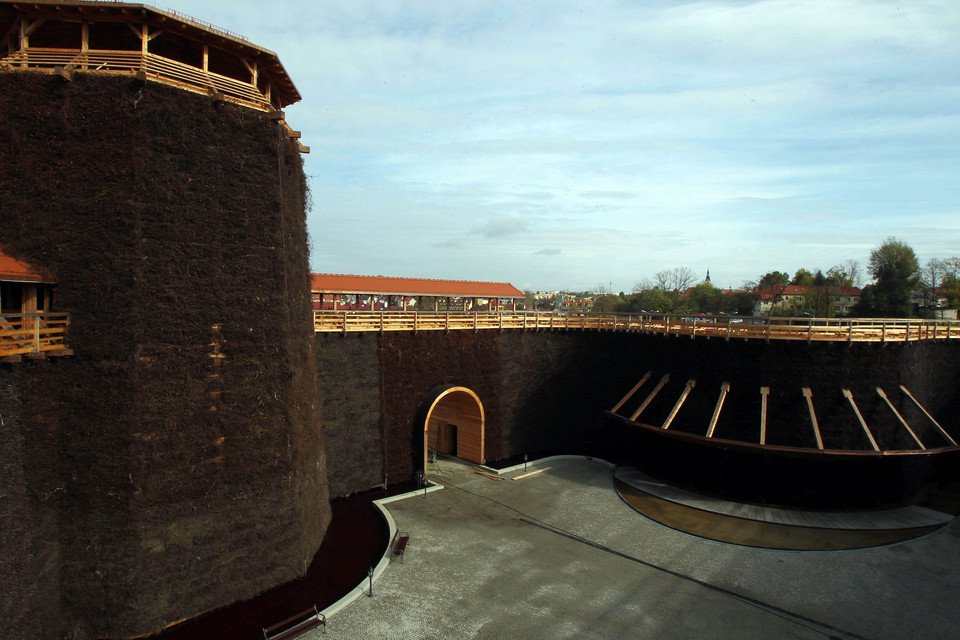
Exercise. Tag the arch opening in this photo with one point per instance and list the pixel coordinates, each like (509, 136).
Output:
(453, 423)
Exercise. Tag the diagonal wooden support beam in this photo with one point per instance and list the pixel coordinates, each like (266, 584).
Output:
(863, 423)
(906, 426)
(630, 393)
(664, 380)
(724, 389)
(927, 413)
(680, 401)
(813, 416)
(764, 392)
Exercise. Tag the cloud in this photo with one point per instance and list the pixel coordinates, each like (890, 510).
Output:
(548, 252)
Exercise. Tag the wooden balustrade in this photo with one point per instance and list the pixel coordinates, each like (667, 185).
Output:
(724, 327)
(157, 68)
(33, 334)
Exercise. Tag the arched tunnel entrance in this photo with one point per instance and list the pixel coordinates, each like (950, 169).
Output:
(452, 420)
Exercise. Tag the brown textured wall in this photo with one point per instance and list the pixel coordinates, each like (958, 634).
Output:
(175, 463)
(545, 392)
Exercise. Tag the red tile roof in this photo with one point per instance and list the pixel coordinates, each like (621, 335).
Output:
(364, 285)
(798, 290)
(13, 270)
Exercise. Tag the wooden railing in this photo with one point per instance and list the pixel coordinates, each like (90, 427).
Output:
(157, 68)
(725, 327)
(33, 334)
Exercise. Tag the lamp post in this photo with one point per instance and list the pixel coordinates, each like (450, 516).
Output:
(370, 577)
(422, 482)
(524, 462)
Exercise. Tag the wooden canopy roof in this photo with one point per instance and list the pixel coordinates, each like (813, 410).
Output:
(281, 93)
(380, 285)
(13, 270)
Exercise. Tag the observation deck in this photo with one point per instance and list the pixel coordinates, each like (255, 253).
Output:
(145, 43)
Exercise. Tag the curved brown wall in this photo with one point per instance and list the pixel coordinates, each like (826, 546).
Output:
(175, 463)
(546, 392)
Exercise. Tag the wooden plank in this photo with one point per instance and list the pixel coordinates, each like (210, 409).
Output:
(488, 475)
(532, 473)
(724, 389)
(676, 407)
(906, 426)
(664, 380)
(863, 423)
(808, 394)
(764, 392)
(922, 408)
(632, 391)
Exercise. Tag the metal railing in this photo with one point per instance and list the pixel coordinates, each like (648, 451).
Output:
(725, 327)
(33, 334)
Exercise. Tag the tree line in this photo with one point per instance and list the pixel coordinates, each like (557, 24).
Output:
(900, 288)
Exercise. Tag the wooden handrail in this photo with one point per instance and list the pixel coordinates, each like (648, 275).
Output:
(726, 327)
(34, 334)
(157, 68)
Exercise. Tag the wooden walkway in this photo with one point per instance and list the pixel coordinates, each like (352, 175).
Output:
(724, 327)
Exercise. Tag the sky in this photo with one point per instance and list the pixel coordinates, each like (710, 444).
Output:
(579, 145)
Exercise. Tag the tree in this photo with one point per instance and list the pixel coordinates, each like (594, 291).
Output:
(803, 278)
(896, 271)
(931, 279)
(847, 274)
(774, 279)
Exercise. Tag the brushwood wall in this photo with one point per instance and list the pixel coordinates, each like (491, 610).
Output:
(546, 392)
(175, 462)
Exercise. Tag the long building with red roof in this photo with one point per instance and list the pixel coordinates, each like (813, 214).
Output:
(338, 291)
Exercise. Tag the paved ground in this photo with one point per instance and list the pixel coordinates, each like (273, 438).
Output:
(559, 555)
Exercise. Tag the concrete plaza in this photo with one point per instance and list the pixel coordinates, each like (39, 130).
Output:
(560, 555)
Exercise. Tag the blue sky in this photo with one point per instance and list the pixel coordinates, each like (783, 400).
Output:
(577, 144)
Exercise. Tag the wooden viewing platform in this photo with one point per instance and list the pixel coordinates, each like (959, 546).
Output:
(32, 334)
(724, 327)
(145, 43)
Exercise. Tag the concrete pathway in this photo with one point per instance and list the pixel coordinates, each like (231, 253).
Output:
(559, 555)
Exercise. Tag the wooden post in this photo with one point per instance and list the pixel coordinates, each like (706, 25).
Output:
(927, 413)
(680, 401)
(664, 380)
(764, 392)
(863, 423)
(906, 426)
(724, 389)
(808, 394)
(632, 391)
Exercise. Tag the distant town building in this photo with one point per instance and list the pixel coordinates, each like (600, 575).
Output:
(841, 299)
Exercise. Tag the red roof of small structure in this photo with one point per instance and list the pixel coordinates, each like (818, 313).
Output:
(366, 285)
(13, 270)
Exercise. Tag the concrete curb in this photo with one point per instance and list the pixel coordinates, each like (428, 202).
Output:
(361, 590)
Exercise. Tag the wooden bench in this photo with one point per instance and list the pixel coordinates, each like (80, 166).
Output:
(399, 544)
(296, 625)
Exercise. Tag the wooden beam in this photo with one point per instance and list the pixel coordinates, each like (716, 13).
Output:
(863, 423)
(764, 392)
(724, 389)
(813, 416)
(927, 413)
(632, 391)
(906, 426)
(680, 401)
(532, 473)
(664, 380)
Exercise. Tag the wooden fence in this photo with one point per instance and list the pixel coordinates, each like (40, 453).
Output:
(725, 327)
(33, 334)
